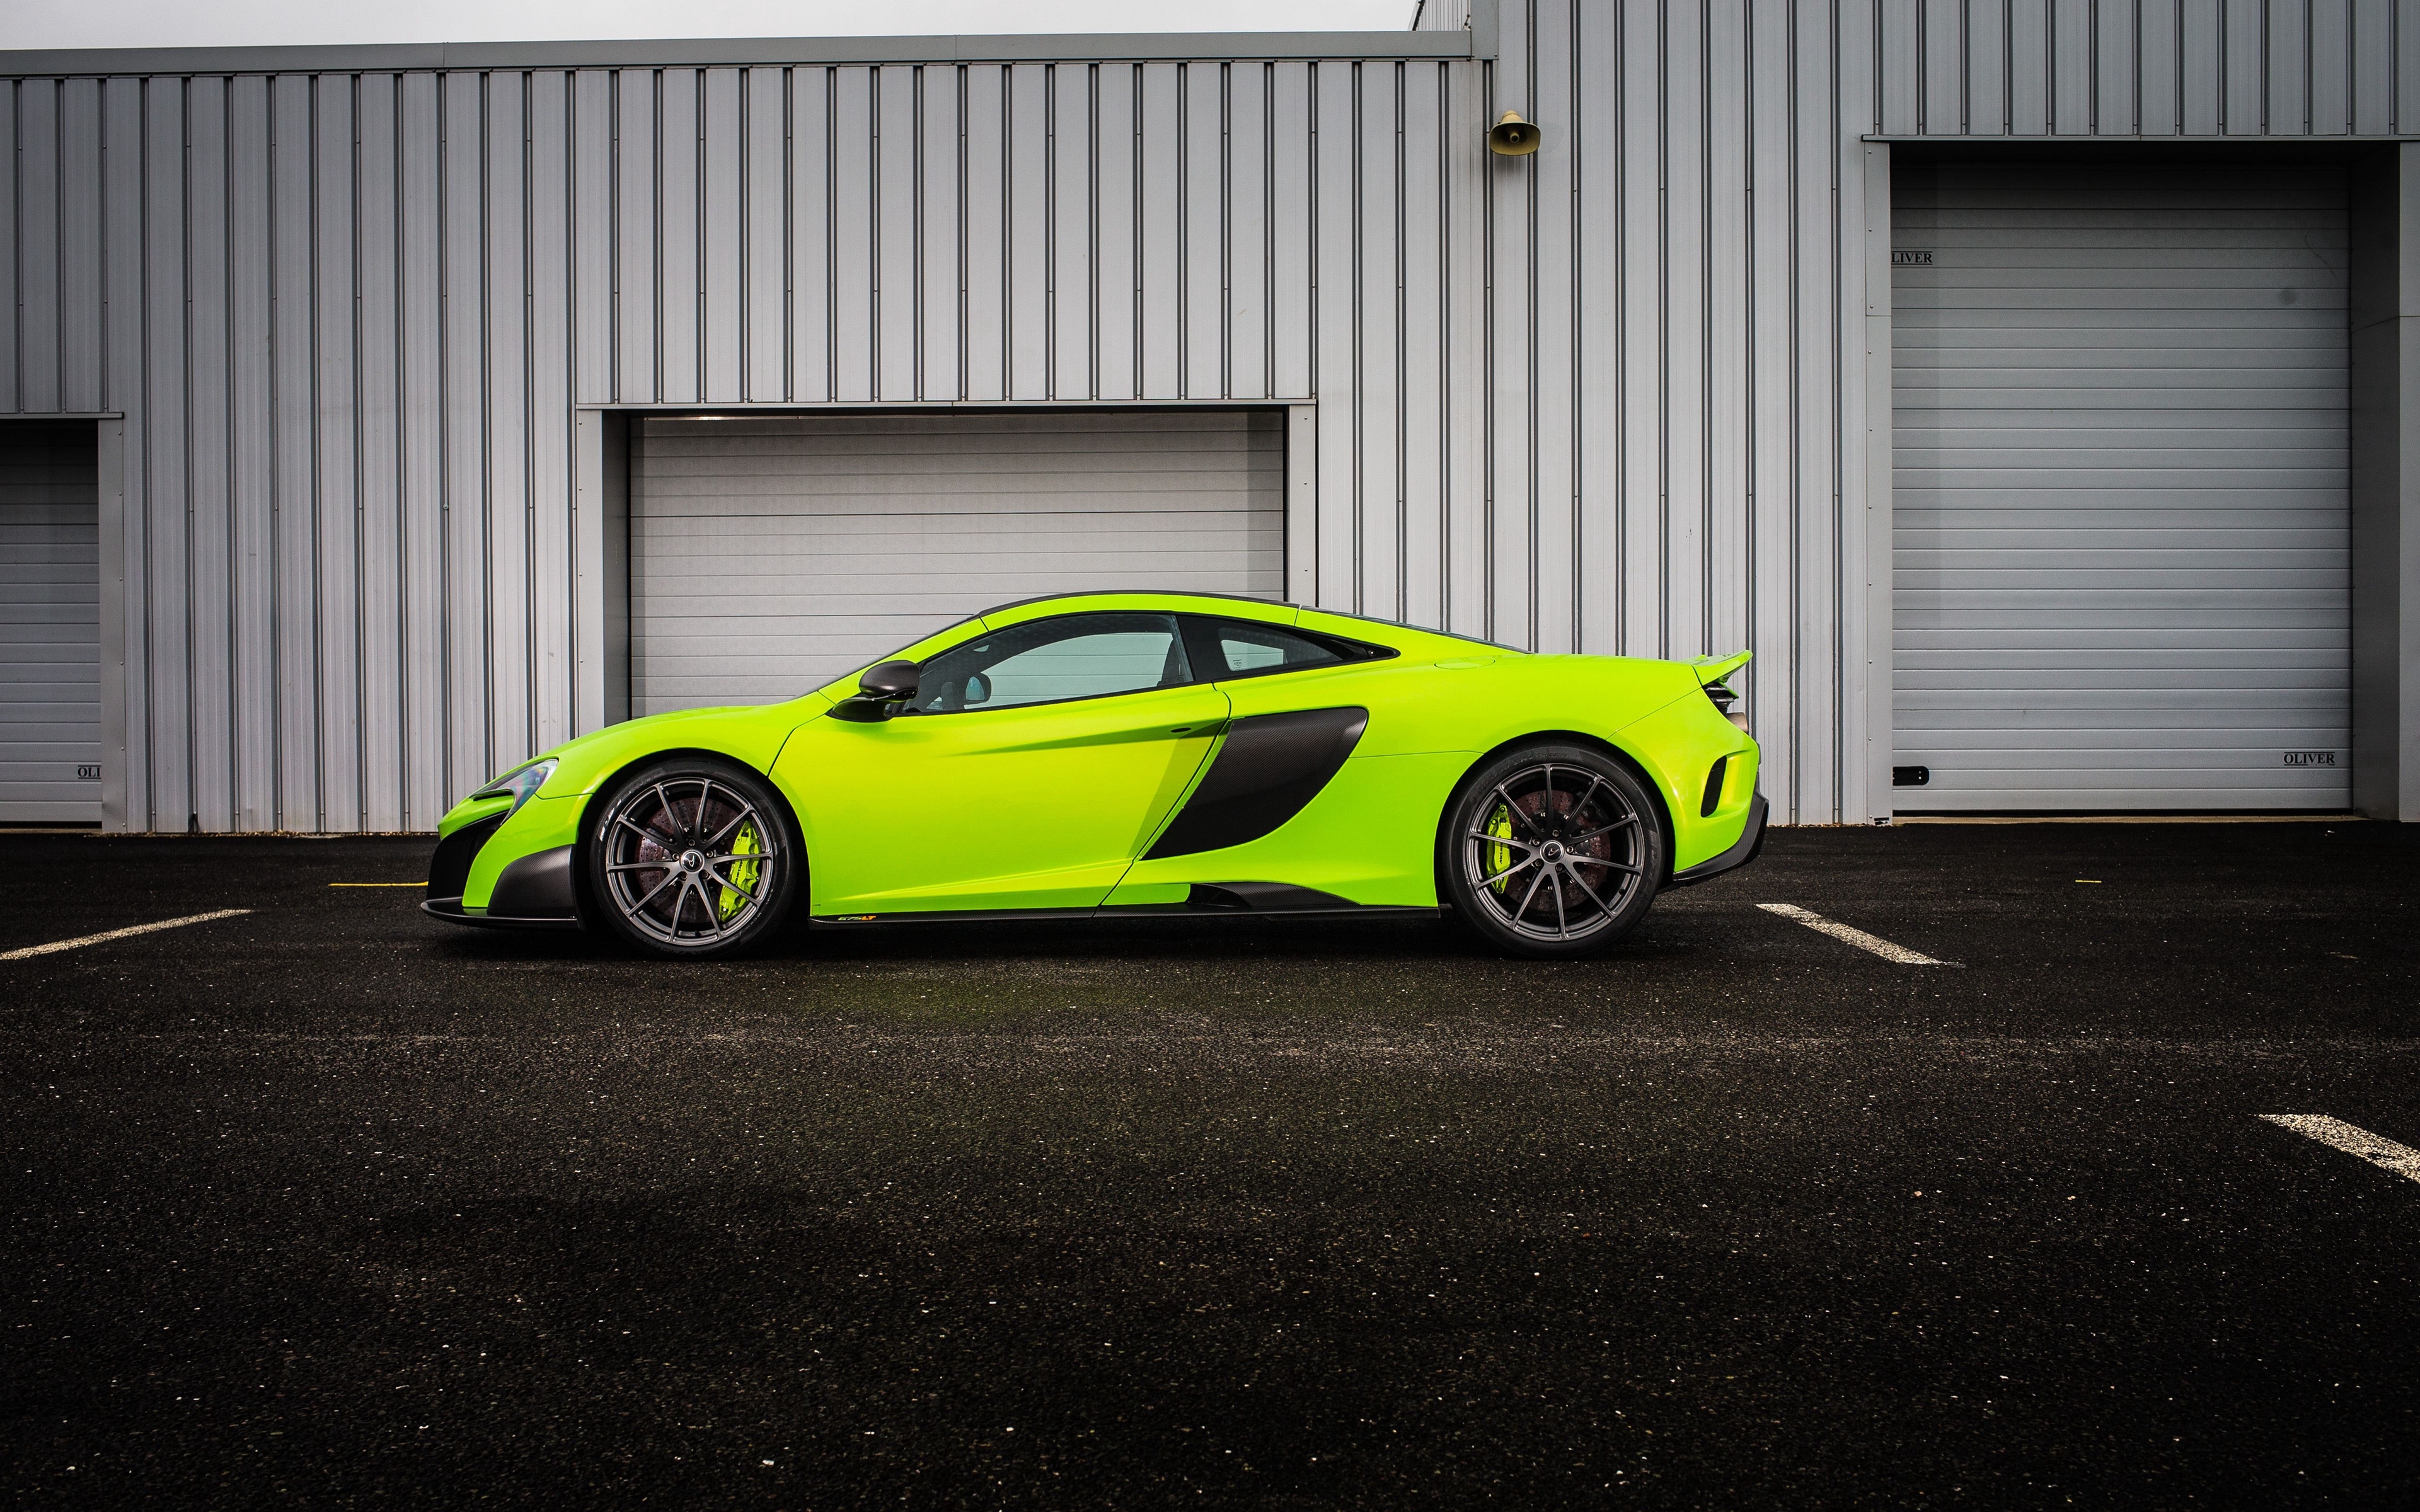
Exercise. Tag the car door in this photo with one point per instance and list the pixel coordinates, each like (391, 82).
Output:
(1282, 805)
(1031, 768)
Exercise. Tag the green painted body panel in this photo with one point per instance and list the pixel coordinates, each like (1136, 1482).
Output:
(1047, 806)
(1360, 838)
(1034, 806)
(1687, 736)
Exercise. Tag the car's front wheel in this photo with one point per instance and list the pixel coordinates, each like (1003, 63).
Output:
(1552, 850)
(692, 858)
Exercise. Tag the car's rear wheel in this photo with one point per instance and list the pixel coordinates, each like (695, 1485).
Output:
(693, 858)
(1552, 850)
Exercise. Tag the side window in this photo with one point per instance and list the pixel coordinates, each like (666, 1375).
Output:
(1051, 661)
(1249, 649)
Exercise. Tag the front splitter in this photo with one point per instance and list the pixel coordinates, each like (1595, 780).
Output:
(452, 911)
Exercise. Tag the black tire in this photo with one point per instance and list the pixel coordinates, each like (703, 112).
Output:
(692, 859)
(1551, 851)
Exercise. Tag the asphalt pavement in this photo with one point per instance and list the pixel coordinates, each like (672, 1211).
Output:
(329, 1204)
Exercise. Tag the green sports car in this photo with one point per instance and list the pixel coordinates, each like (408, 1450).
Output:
(1100, 755)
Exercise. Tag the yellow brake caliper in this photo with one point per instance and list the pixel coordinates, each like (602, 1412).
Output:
(745, 874)
(1499, 857)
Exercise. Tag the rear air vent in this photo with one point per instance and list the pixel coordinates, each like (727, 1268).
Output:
(1713, 789)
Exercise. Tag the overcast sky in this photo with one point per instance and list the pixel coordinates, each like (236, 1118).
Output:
(230, 23)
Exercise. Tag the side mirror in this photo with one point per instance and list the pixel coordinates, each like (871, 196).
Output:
(878, 687)
(889, 682)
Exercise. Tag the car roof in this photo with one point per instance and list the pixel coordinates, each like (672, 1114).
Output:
(1275, 611)
(1134, 593)
(1397, 633)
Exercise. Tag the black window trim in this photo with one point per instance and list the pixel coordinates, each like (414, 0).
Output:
(1202, 647)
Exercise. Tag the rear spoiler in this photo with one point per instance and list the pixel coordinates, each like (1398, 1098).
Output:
(1711, 670)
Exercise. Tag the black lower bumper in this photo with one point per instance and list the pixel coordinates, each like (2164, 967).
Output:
(1751, 843)
(451, 910)
(535, 891)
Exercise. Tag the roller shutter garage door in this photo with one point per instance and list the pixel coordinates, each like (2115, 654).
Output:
(770, 555)
(49, 623)
(2120, 488)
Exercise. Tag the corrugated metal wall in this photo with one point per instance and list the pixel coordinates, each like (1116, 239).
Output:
(2147, 67)
(1610, 397)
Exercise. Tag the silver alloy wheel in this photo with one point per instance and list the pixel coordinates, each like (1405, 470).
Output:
(689, 860)
(1556, 853)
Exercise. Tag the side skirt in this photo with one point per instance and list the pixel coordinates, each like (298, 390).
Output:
(1226, 899)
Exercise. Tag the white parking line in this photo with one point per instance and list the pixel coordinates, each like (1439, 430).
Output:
(1858, 937)
(118, 935)
(2380, 1152)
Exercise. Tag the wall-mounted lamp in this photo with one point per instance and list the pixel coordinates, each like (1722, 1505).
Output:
(1513, 137)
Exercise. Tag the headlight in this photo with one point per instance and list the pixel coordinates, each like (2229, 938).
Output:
(519, 784)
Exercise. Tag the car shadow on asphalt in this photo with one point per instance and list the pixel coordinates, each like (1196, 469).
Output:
(1325, 942)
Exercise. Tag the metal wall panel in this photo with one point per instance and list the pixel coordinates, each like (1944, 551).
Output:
(332, 585)
(1201, 231)
(506, 417)
(1425, 264)
(1117, 172)
(294, 611)
(680, 233)
(813, 287)
(760, 325)
(1028, 193)
(722, 236)
(939, 270)
(1072, 234)
(160, 779)
(251, 441)
(126, 356)
(1159, 144)
(1553, 415)
(553, 573)
(1245, 322)
(1288, 250)
(83, 329)
(461, 416)
(385, 727)
(1377, 313)
(590, 171)
(1610, 397)
(423, 506)
(1335, 567)
(896, 229)
(39, 370)
(983, 233)
(635, 152)
(2155, 68)
(210, 580)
